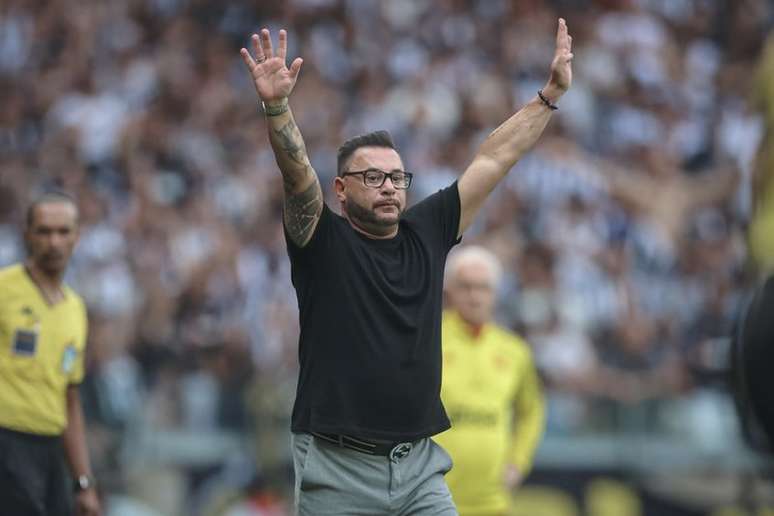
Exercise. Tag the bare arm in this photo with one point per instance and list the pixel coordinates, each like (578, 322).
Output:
(74, 440)
(508, 143)
(634, 185)
(497, 155)
(274, 82)
(303, 195)
(714, 186)
(630, 184)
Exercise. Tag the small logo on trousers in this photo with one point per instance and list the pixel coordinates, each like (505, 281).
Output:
(400, 451)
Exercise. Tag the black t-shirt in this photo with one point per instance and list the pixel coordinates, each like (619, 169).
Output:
(370, 314)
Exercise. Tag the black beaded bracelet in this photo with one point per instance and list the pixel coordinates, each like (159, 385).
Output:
(547, 102)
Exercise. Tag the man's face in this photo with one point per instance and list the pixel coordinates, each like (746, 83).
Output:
(51, 236)
(471, 292)
(375, 210)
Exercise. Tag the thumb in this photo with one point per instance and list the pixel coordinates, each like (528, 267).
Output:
(295, 67)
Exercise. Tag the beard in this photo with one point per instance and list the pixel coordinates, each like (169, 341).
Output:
(368, 218)
(51, 263)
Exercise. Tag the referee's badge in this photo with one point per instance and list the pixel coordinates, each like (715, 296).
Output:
(68, 358)
(25, 342)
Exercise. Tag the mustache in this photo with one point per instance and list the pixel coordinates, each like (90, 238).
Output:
(390, 202)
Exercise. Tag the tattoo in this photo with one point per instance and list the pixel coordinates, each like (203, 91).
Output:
(292, 177)
(302, 210)
(290, 141)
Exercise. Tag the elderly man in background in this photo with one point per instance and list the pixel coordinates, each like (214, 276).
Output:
(490, 389)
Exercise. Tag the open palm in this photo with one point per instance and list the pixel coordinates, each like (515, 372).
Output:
(561, 66)
(272, 78)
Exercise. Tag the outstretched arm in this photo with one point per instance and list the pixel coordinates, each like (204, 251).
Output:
(274, 82)
(629, 184)
(506, 145)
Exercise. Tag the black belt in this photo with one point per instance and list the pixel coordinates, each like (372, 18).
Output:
(392, 450)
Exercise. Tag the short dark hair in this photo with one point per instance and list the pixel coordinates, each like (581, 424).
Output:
(348, 148)
(47, 197)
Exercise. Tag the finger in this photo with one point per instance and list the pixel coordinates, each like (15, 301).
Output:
(295, 68)
(569, 42)
(283, 44)
(259, 57)
(561, 34)
(248, 60)
(268, 51)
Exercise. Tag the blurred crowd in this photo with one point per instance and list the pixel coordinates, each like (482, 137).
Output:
(622, 234)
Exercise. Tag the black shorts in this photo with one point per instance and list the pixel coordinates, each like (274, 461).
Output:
(34, 480)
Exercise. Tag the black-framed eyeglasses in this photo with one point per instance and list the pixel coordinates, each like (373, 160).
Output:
(375, 178)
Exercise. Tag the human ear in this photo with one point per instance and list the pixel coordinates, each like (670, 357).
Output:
(340, 188)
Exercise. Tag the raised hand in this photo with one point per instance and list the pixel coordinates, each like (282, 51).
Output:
(561, 66)
(272, 78)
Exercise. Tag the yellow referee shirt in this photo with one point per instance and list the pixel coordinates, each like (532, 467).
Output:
(41, 353)
(493, 397)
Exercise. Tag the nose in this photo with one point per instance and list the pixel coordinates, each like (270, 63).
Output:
(55, 239)
(388, 186)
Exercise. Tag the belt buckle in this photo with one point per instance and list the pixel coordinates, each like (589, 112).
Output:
(400, 451)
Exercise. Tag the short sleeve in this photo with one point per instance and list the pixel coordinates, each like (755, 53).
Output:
(297, 253)
(440, 214)
(79, 347)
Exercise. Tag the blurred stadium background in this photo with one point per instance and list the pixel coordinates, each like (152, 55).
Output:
(631, 235)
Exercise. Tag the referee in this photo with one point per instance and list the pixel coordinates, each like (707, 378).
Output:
(42, 342)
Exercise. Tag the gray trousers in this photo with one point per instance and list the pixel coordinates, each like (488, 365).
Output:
(338, 481)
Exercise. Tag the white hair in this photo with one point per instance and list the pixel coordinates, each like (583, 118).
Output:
(473, 254)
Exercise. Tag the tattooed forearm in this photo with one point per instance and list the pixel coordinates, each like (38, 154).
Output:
(303, 196)
(290, 152)
(291, 179)
(302, 210)
(289, 140)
